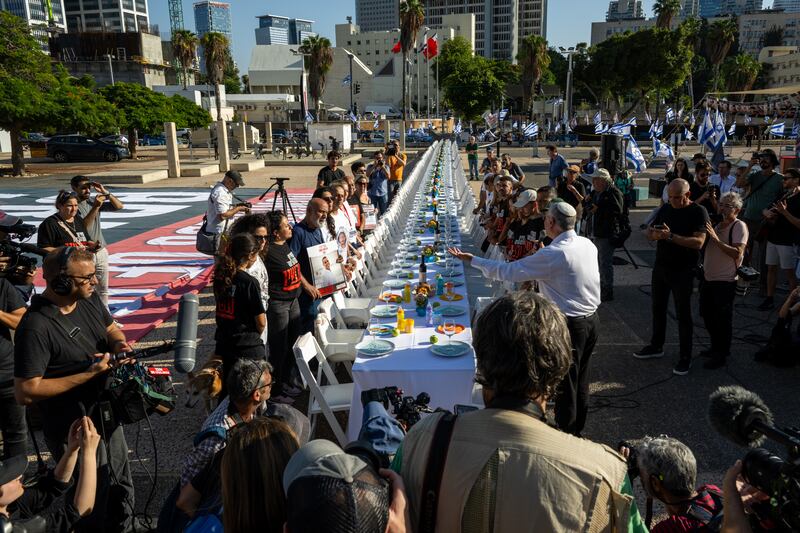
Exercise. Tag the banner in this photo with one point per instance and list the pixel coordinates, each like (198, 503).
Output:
(326, 267)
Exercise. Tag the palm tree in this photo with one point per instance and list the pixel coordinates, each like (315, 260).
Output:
(534, 58)
(412, 16)
(665, 10)
(184, 49)
(740, 72)
(216, 50)
(721, 36)
(318, 57)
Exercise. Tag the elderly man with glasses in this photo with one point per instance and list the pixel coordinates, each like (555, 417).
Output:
(568, 275)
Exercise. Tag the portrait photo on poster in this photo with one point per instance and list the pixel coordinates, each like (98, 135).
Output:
(342, 240)
(326, 267)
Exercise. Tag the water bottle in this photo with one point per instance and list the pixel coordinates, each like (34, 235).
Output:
(439, 285)
(429, 315)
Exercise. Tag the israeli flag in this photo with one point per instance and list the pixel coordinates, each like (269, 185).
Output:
(347, 80)
(503, 114)
(659, 128)
(558, 127)
(600, 128)
(353, 118)
(598, 118)
(573, 123)
(514, 125)
(631, 122)
(777, 129)
(457, 129)
(747, 120)
(648, 118)
(706, 133)
(732, 130)
(688, 133)
(620, 129)
(634, 156)
(692, 121)
(669, 115)
(376, 125)
(796, 130)
(531, 130)
(662, 149)
(720, 136)
(309, 117)
(652, 131)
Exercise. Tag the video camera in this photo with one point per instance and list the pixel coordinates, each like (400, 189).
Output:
(742, 417)
(18, 264)
(406, 409)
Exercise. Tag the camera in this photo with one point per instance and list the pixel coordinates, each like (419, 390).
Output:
(19, 265)
(406, 409)
(633, 459)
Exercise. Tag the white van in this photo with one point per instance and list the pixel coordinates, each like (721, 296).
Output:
(386, 110)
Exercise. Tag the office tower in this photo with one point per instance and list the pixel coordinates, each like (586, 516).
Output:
(107, 15)
(690, 8)
(377, 15)
(789, 6)
(208, 17)
(274, 29)
(33, 12)
(710, 8)
(624, 10)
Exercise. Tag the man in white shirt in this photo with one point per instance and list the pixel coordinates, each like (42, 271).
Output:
(569, 276)
(723, 179)
(220, 203)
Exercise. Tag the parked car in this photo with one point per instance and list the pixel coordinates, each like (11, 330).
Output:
(115, 139)
(152, 140)
(64, 148)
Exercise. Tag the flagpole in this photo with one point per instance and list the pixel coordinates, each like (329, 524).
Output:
(428, 82)
(416, 58)
(438, 110)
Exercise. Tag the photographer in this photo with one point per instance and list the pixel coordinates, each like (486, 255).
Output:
(397, 164)
(702, 192)
(65, 227)
(36, 508)
(61, 358)
(668, 470)
(545, 480)
(220, 208)
(90, 212)
(378, 174)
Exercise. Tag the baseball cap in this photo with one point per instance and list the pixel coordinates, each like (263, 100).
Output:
(12, 468)
(236, 176)
(330, 490)
(600, 173)
(574, 168)
(525, 197)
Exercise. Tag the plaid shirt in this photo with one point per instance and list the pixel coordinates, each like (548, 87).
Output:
(204, 452)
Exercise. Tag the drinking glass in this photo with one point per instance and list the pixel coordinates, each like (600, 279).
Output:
(449, 329)
(374, 324)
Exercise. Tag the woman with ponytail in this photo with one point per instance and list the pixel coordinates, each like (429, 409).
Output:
(240, 313)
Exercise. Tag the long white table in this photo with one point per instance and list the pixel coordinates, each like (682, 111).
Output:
(411, 366)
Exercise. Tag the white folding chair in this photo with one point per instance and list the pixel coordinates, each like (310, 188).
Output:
(338, 345)
(325, 399)
(354, 311)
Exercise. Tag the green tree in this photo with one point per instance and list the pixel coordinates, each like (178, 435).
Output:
(184, 49)
(452, 54)
(472, 88)
(533, 58)
(216, 52)
(77, 108)
(231, 79)
(187, 114)
(740, 72)
(665, 11)
(721, 36)
(318, 57)
(246, 83)
(412, 15)
(143, 110)
(773, 36)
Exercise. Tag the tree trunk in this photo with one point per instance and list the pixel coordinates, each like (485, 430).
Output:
(133, 141)
(218, 100)
(17, 153)
(631, 108)
(185, 78)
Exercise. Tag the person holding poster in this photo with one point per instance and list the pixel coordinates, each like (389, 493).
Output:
(327, 267)
(307, 234)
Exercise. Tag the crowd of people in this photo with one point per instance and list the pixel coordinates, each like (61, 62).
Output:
(253, 464)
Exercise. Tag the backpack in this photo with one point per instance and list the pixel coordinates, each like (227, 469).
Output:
(622, 230)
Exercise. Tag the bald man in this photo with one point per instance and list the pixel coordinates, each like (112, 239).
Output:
(679, 230)
(305, 234)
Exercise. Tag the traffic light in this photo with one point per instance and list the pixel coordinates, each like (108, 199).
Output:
(357, 88)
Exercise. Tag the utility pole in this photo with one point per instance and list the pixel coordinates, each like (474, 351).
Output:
(350, 57)
(110, 68)
(569, 52)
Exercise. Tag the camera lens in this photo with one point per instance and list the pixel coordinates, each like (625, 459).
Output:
(763, 470)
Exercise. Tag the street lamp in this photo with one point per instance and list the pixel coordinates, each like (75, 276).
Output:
(303, 97)
(569, 52)
(110, 68)
(350, 57)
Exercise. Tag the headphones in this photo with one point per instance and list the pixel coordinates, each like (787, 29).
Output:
(62, 284)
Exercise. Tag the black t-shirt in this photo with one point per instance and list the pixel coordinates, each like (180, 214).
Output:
(328, 176)
(283, 271)
(537, 225)
(40, 502)
(567, 195)
(696, 191)
(521, 236)
(783, 232)
(10, 300)
(684, 222)
(237, 309)
(515, 171)
(52, 232)
(43, 348)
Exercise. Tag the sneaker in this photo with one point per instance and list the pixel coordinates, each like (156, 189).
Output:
(649, 352)
(714, 363)
(682, 368)
(767, 305)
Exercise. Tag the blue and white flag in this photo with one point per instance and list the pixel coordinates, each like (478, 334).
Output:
(531, 130)
(659, 129)
(706, 133)
(600, 128)
(353, 117)
(620, 129)
(662, 149)
(631, 122)
(573, 123)
(688, 134)
(347, 80)
(515, 125)
(457, 129)
(777, 129)
(376, 125)
(692, 121)
(767, 120)
(669, 115)
(648, 118)
(309, 117)
(598, 118)
(796, 130)
(503, 114)
(558, 127)
(720, 135)
(634, 155)
(747, 120)
(732, 129)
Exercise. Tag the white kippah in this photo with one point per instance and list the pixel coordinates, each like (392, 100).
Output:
(565, 209)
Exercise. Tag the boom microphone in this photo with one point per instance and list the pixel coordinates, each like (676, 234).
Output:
(739, 415)
(186, 343)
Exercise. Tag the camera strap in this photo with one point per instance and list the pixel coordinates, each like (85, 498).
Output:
(431, 485)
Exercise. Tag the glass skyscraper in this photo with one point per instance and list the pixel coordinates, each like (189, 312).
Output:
(211, 16)
(34, 13)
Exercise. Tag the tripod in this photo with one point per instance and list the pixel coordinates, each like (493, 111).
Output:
(280, 191)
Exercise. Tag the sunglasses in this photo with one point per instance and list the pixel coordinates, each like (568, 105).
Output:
(260, 237)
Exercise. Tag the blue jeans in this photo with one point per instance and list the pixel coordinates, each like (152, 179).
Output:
(380, 203)
(473, 168)
(605, 260)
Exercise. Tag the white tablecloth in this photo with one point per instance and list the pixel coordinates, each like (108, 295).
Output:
(411, 366)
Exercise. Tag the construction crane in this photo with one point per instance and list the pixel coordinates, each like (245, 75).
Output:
(175, 15)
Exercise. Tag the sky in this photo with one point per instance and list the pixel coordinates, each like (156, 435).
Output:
(568, 21)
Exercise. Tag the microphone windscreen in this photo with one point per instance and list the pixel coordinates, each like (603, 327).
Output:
(732, 410)
(186, 337)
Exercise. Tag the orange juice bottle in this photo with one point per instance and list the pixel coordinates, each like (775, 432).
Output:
(401, 315)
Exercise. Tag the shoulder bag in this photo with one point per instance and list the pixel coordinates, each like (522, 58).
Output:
(206, 242)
